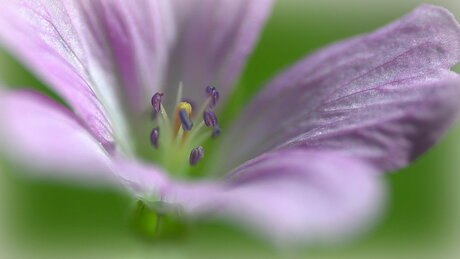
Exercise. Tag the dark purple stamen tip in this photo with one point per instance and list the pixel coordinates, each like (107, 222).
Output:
(187, 124)
(214, 98)
(156, 101)
(209, 90)
(155, 136)
(210, 118)
(213, 94)
(216, 131)
(196, 155)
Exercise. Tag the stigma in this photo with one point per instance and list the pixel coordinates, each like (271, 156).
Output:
(186, 129)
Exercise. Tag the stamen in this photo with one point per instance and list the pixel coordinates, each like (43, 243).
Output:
(156, 101)
(209, 89)
(210, 118)
(155, 136)
(180, 133)
(154, 115)
(209, 103)
(165, 118)
(196, 155)
(187, 124)
(213, 96)
(216, 131)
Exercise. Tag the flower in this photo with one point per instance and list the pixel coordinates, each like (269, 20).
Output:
(303, 160)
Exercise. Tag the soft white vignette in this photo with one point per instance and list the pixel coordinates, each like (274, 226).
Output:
(3, 245)
(454, 184)
(450, 250)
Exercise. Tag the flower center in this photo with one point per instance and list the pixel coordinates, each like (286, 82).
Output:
(179, 138)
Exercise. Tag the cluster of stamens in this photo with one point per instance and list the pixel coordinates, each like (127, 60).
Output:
(185, 130)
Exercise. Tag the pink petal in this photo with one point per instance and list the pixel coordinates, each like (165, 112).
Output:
(385, 97)
(214, 40)
(287, 196)
(95, 54)
(146, 181)
(299, 195)
(48, 138)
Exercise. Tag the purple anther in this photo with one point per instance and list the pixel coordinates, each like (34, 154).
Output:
(196, 155)
(214, 98)
(156, 101)
(216, 131)
(213, 95)
(210, 118)
(209, 90)
(187, 124)
(155, 136)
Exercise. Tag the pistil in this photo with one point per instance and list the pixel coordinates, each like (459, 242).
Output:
(187, 124)
(186, 109)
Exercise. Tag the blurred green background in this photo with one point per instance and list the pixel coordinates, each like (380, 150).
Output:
(62, 220)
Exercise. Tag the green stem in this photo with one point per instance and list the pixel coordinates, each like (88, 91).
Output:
(157, 227)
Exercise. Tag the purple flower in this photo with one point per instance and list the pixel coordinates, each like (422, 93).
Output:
(303, 160)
